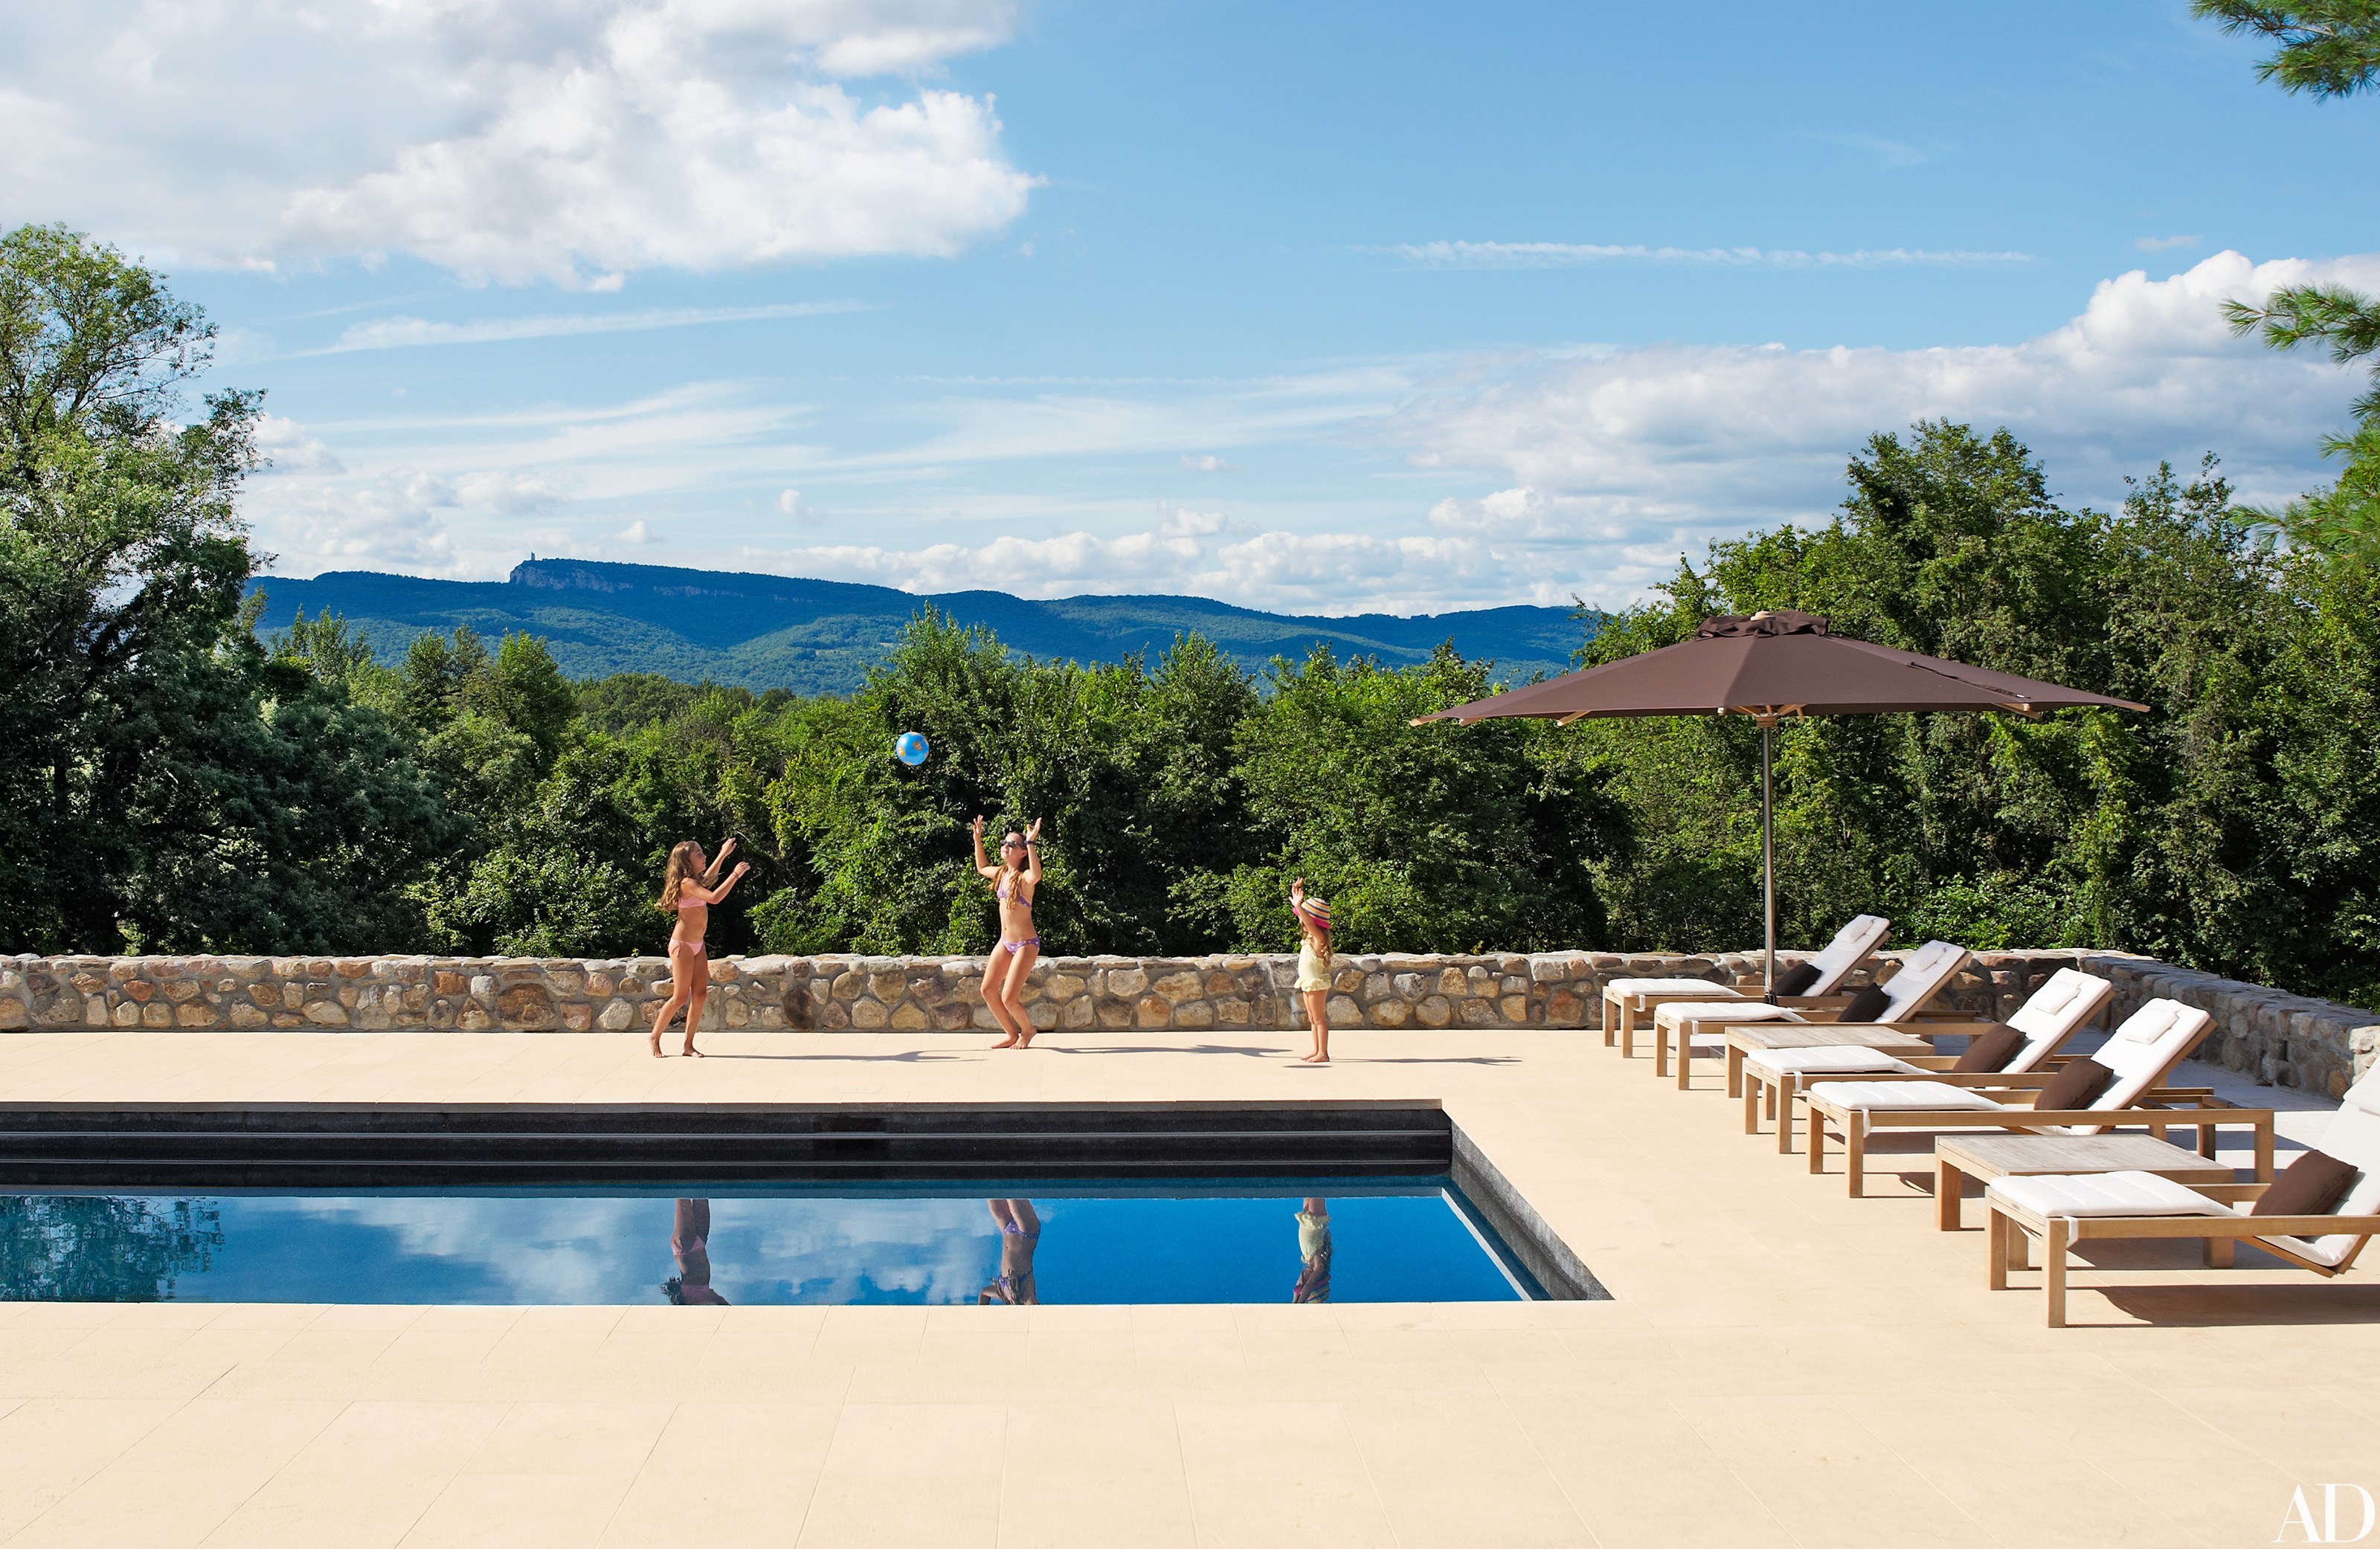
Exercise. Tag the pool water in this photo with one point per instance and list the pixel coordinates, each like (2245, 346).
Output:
(1337, 1239)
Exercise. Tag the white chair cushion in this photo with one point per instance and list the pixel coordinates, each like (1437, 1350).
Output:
(2105, 1193)
(1705, 1011)
(1923, 975)
(2353, 1136)
(1832, 1058)
(1682, 987)
(2151, 1042)
(1850, 948)
(1901, 1095)
(2051, 1014)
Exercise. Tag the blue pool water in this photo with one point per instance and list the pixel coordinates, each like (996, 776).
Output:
(1235, 1241)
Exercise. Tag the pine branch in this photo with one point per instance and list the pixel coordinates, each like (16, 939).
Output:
(2328, 48)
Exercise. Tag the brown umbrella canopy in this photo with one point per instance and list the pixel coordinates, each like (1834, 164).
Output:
(1773, 664)
(1769, 666)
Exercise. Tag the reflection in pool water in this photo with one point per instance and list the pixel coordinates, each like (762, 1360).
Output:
(1080, 1241)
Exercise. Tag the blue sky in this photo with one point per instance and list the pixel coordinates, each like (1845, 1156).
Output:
(1315, 307)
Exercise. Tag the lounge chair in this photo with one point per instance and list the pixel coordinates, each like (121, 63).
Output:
(1924, 973)
(2061, 1209)
(1624, 999)
(2141, 1053)
(2050, 1016)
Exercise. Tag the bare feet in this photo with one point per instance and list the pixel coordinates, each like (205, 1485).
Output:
(1009, 1042)
(691, 1052)
(1025, 1039)
(1314, 1059)
(656, 1046)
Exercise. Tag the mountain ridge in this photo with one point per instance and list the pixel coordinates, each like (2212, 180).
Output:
(814, 635)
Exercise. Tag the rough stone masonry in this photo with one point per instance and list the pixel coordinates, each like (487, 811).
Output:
(2278, 1039)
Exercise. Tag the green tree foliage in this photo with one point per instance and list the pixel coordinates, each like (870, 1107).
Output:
(1424, 837)
(162, 784)
(1131, 768)
(2326, 48)
(2182, 832)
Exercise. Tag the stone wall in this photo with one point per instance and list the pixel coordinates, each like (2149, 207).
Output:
(529, 994)
(2275, 1037)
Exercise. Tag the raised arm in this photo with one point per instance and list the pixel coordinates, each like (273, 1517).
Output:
(1033, 854)
(981, 870)
(726, 847)
(712, 895)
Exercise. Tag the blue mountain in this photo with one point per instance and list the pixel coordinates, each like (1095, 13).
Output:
(820, 636)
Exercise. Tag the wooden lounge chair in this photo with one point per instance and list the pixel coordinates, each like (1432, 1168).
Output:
(1923, 975)
(2142, 1053)
(1625, 999)
(2063, 1209)
(2050, 1016)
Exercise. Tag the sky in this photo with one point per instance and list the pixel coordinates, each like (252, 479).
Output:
(1318, 308)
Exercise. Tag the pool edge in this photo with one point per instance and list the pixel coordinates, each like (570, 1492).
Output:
(1539, 1247)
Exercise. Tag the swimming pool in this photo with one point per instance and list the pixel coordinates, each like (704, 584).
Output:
(1337, 1238)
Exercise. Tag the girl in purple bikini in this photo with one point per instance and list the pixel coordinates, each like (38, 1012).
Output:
(1013, 881)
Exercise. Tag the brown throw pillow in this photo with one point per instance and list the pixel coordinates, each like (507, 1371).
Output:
(1991, 1049)
(1797, 979)
(2309, 1186)
(1866, 1005)
(2073, 1088)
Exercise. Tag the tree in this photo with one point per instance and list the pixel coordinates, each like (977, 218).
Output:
(2328, 48)
(168, 783)
(1423, 838)
(120, 552)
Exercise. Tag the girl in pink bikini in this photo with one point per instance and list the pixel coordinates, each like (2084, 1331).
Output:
(1013, 881)
(686, 891)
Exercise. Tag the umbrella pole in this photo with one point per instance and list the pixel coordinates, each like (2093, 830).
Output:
(1768, 863)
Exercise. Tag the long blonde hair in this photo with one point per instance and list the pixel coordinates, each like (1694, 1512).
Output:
(685, 860)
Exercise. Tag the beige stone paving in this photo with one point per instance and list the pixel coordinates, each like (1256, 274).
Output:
(1780, 1365)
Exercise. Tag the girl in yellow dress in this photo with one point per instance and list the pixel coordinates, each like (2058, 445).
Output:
(1313, 967)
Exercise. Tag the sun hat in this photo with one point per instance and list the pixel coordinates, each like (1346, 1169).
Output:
(1316, 910)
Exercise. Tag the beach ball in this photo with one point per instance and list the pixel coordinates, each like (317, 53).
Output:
(910, 748)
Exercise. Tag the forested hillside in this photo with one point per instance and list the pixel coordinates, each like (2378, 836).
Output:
(764, 631)
(173, 778)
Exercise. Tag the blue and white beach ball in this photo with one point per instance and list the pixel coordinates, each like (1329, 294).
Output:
(910, 748)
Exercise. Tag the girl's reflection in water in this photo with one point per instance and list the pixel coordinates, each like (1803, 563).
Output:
(1020, 1233)
(690, 1241)
(1314, 1247)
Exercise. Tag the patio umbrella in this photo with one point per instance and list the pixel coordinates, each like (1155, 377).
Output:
(1768, 665)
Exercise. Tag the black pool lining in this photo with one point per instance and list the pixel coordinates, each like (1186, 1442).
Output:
(312, 1145)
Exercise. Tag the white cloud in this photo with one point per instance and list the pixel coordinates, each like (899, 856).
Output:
(1199, 554)
(402, 333)
(1615, 461)
(506, 139)
(511, 493)
(1891, 155)
(389, 522)
(2163, 244)
(1452, 481)
(290, 450)
(1553, 255)
(1206, 462)
(635, 532)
